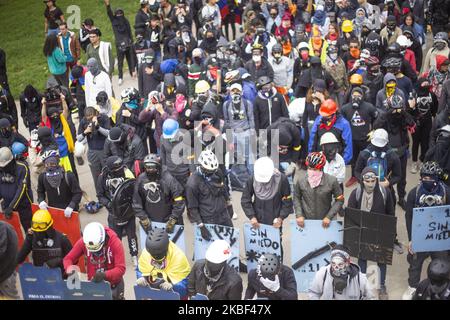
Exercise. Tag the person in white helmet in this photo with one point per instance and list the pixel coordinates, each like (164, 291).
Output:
(213, 277)
(335, 164)
(105, 258)
(206, 194)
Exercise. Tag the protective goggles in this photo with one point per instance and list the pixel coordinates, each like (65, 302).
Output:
(370, 177)
(40, 226)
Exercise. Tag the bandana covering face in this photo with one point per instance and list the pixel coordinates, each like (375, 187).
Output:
(314, 177)
(390, 89)
(355, 52)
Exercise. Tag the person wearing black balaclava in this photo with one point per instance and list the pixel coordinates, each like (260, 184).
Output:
(373, 79)
(209, 42)
(315, 71)
(158, 196)
(425, 110)
(8, 136)
(58, 188)
(30, 107)
(340, 280)
(361, 115)
(430, 192)
(390, 33)
(437, 285)
(15, 188)
(124, 40)
(149, 74)
(8, 106)
(373, 44)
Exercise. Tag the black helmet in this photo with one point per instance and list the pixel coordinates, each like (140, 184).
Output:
(394, 48)
(157, 243)
(430, 168)
(277, 48)
(269, 265)
(233, 47)
(439, 272)
(116, 134)
(263, 80)
(392, 63)
(152, 163)
(101, 98)
(44, 132)
(114, 163)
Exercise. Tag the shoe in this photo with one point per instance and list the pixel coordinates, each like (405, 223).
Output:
(409, 293)
(382, 293)
(135, 261)
(351, 182)
(80, 161)
(398, 247)
(414, 168)
(402, 203)
(120, 82)
(235, 216)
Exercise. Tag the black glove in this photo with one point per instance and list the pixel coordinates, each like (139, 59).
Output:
(109, 206)
(170, 225)
(146, 224)
(99, 277)
(205, 233)
(230, 211)
(8, 213)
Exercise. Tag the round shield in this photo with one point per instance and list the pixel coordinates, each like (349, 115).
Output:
(122, 201)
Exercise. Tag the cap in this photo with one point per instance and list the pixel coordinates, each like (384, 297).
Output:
(236, 86)
(379, 138)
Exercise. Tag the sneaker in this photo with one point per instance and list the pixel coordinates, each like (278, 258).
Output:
(382, 293)
(414, 168)
(80, 161)
(235, 216)
(398, 247)
(351, 182)
(402, 203)
(409, 293)
(135, 261)
(120, 82)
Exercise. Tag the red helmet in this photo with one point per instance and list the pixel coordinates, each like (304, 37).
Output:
(328, 108)
(316, 160)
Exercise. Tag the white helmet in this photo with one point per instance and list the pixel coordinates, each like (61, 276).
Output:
(94, 236)
(219, 251)
(328, 137)
(208, 161)
(80, 149)
(264, 169)
(296, 109)
(144, 1)
(403, 41)
(379, 138)
(303, 45)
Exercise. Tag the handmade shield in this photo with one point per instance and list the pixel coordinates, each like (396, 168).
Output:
(15, 223)
(370, 236)
(431, 229)
(41, 283)
(122, 201)
(146, 293)
(88, 291)
(177, 236)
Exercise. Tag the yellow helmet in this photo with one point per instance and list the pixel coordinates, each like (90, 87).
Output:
(202, 86)
(356, 79)
(41, 221)
(257, 46)
(347, 26)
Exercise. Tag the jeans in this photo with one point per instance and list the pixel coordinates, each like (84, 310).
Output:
(283, 168)
(243, 148)
(383, 268)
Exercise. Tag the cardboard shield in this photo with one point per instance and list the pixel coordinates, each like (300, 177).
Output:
(146, 293)
(370, 236)
(41, 283)
(177, 236)
(265, 239)
(89, 291)
(122, 201)
(431, 229)
(70, 227)
(230, 234)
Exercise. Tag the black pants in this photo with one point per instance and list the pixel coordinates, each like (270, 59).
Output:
(229, 20)
(96, 160)
(401, 185)
(421, 137)
(25, 215)
(415, 264)
(358, 146)
(130, 229)
(131, 60)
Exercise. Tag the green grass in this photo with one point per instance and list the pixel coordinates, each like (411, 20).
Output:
(22, 35)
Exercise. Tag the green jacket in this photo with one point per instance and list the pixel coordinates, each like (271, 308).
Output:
(57, 62)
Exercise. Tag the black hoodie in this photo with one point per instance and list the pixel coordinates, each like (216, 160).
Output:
(121, 28)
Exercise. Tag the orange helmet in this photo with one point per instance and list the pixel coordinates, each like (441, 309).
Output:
(356, 79)
(328, 108)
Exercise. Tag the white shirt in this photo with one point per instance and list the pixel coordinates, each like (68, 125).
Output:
(93, 85)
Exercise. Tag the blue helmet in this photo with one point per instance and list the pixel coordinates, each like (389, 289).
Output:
(170, 128)
(18, 149)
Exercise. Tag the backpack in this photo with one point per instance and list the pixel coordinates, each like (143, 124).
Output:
(378, 162)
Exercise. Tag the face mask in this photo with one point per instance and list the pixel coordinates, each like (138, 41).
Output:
(232, 57)
(330, 152)
(391, 26)
(94, 69)
(256, 58)
(356, 101)
(439, 46)
(153, 175)
(236, 98)
(198, 60)
(369, 186)
(355, 52)
(185, 36)
(304, 55)
(339, 284)
(338, 266)
(132, 105)
(333, 56)
(429, 185)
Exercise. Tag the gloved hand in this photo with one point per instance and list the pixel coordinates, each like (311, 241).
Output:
(290, 170)
(99, 277)
(68, 212)
(142, 282)
(167, 286)
(170, 225)
(8, 213)
(43, 205)
(273, 286)
(230, 210)
(205, 233)
(146, 224)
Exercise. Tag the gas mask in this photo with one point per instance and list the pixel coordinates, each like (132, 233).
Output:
(356, 101)
(202, 98)
(429, 185)
(214, 269)
(266, 90)
(339, 271)
(370, 183)
(439, 45)
(330, 151)
(236, 98)
(277, 56)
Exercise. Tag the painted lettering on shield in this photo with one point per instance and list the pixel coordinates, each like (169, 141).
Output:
(431, 229)
(265, 239)
(177, 236)
(312, 241)
(229, 234)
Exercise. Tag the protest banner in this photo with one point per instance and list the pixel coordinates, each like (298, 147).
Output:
(430, 229)
(265, 239)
